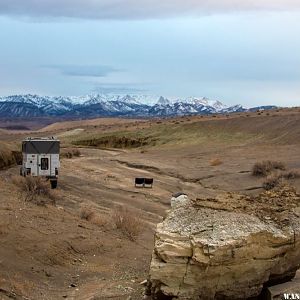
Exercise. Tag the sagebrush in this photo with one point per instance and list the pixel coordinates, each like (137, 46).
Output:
(277, 178)
(293, 174)
(89, 214)
(71, 153)
(128, 222)
(271, 182)
(35, 189)
(264, 168)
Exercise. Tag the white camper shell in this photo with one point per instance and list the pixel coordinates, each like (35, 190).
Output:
(41, 158)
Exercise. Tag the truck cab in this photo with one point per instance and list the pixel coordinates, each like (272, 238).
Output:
(41, 158)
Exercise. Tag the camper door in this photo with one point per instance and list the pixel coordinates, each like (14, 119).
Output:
(44, 165)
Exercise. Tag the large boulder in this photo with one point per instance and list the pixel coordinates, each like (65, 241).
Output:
(229, 247)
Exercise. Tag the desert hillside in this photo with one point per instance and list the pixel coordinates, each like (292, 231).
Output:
(70, 243)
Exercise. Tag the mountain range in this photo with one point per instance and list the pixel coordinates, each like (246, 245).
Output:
(111, 105)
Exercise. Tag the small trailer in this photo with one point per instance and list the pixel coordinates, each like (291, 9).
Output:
(41, 158)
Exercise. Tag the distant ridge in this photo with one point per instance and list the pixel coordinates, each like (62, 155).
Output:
(111, 105)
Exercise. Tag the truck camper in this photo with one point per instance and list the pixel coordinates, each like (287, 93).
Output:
(41, 158)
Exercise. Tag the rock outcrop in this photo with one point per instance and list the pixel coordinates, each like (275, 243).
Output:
(226, 248)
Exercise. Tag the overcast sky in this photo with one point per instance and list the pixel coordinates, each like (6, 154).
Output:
(236, 51)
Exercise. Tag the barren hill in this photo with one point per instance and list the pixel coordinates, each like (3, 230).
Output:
(56, 251)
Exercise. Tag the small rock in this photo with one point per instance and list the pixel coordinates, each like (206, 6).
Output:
(48, 274)
(144, 282)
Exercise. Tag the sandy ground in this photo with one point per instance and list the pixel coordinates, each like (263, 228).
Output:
(49, 252)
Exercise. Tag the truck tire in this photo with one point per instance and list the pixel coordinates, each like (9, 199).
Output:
(53, 184)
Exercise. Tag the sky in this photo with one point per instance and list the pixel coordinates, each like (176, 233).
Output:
(235, 51)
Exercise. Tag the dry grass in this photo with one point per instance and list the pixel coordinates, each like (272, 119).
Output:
(292, 174)
(76, 153)
(35, 189)
(7, 158)
(275, 179)
(272, 181)
(215, 162)
(101, 220)
(264, 168)
(9, 155)
(89, 214)
(18, 156)
(118, 141)
(162, 134)
(128, 222)
(71, 153)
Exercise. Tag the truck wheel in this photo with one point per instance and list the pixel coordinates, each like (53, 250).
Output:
(53, 184)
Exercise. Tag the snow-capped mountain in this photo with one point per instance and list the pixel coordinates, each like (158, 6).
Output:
(163, 101)
(110, 105)
(205, 102)
(232, 109)
(34, 105)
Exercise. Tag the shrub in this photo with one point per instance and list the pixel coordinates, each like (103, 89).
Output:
(216, 162)
(71, 153)
(35, 189)
(18, 156)
(266, 167)
(100, 220)
(66, 154)
(87, 213)
(128, 222)
(6, 159)
(271, 182)
(293, 174)
(76, 153)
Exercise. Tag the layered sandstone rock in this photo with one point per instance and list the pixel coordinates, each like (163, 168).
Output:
(226, 248)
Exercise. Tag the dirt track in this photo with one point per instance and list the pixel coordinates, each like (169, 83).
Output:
(53, 246)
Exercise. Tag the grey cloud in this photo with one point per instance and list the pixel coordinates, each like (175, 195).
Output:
(84, 71)
(135, 9)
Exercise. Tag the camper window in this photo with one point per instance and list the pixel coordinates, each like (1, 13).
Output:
(44, 163)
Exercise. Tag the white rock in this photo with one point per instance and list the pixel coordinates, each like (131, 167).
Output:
(204, 253)
(179, 201)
